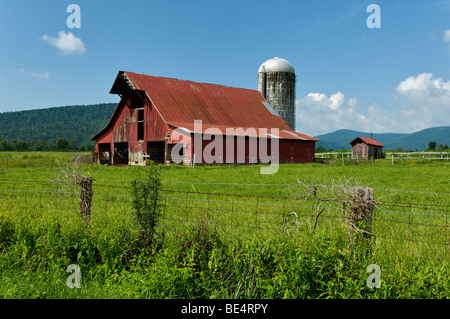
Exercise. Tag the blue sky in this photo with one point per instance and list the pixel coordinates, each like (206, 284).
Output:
(390, 79)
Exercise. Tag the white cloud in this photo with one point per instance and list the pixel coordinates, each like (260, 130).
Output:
(336, 100)
(422, 101)
(353, 102)
(317, 97)
(40, 76)
(333, 102)
(446, 37)
(67, 43)
(317, 113)
(424, 85)
(427, 98)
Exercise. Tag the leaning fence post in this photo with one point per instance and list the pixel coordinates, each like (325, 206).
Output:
(86, 197)
(361, 213)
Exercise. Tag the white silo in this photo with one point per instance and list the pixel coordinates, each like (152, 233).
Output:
(276, 82)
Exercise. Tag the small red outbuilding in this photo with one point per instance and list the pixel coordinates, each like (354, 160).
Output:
(366, 148)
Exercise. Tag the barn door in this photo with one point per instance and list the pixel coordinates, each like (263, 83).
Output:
(120, 154)
(104, 153)
(156, 150)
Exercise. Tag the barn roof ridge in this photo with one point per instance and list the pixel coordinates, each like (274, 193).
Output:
(184, 80)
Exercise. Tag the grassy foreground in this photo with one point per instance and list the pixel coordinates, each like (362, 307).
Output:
(40, 238)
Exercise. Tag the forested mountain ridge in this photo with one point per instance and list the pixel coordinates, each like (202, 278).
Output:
(76, 123)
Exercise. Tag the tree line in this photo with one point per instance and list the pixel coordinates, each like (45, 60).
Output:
(433, 146)
(61, 145)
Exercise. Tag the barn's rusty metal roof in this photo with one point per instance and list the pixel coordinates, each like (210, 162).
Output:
(181, 102)
(368, 141)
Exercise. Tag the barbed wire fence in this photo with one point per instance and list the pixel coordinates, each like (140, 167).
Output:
(420, 229)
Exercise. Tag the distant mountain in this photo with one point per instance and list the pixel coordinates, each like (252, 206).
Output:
(77, 122)
(391, 141)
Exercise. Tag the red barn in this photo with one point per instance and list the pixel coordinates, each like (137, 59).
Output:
(366, 148)
(171, 120)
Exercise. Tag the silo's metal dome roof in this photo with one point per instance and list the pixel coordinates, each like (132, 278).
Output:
(276, 64)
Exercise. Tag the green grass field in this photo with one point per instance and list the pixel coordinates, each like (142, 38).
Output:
(223, 232)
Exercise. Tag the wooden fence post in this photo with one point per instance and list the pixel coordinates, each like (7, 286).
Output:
(86, 197)
(361, 214)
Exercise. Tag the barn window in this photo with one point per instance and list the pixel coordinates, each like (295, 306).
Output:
(136, 100)
(141, 115)
(140, 124)
(140, 133)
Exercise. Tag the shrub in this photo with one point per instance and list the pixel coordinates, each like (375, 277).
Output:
(147, 202)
